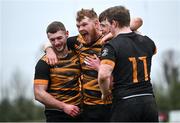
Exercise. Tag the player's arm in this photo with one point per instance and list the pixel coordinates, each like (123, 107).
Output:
(40, 91)
(104, 76)
(51, 55)
(105, 70)
(106, 38)
(42, 96)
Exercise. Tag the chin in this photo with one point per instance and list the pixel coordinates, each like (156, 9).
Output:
(59, 49)
(88, 41)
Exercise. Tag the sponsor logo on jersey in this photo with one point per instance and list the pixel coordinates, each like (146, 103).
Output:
(105, 52)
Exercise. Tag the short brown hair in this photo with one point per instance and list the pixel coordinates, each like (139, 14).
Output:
(119, 14)
(90, 13)
(103, 16)
(55, 26)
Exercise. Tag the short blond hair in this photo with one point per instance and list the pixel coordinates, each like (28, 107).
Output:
(90, 13)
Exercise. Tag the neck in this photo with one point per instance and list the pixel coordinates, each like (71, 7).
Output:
(62, 54)
(98, 35)
(122, 31)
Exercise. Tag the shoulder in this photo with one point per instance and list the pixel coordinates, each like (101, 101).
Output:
(149, 40)
(152, 44)
(113, 42)
(71, 41)
(42, 62)
(148, 43)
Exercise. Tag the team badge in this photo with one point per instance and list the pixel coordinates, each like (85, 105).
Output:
(105, 52)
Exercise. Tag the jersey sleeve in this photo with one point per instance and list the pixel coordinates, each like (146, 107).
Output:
(154, 48)
(108, 55)
(71, 41)
(42, 72)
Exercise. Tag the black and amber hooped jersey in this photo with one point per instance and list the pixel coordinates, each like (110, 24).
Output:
(62, 79)
(130, 54)
(91, 90)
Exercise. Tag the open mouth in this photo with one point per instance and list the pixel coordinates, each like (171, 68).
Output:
(84, 34)
(58, 45)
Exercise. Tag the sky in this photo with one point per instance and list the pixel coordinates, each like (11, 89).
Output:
(23, 24)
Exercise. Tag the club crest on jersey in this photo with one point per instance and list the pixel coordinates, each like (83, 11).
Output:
(105, 52)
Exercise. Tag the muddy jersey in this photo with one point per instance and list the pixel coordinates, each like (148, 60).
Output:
(62, 79)
(130, 54)
(90, 87)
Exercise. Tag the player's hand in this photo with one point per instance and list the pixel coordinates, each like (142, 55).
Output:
(51, 56)
(71, 110)
(92, 62)
(107, 96)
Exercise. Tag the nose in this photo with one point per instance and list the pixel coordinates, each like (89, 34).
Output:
(102, 28)
(80, 28)
(56, 41)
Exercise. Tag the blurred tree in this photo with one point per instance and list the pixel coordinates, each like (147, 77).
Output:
(171, 67)
(162, 99)
(171, 70)
(170, 100)
(16, 106)
(5, 108)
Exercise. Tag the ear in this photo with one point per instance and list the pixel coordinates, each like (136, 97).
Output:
(97, 23)
(67, 33)
(114, 23)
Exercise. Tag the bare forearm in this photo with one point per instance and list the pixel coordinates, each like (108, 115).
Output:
(105, 90)
(104, 85)
(46, 45)
(49, 100)
(104, 76)
(51, 55)
(103, 80)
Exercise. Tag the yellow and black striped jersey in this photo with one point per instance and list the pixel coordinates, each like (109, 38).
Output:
(62, 79)
(130, 55)
(90, 87)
